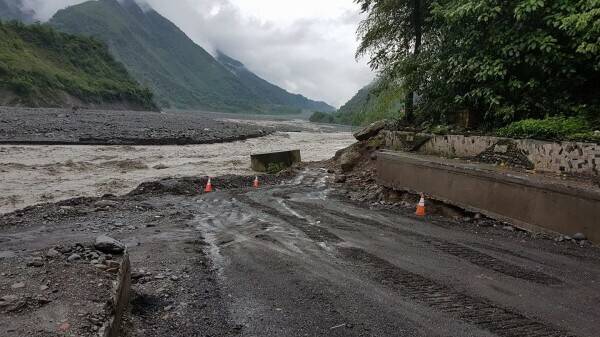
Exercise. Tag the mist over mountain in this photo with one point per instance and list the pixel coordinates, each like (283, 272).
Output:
(180, 73)
(15, 10)
(271, 92)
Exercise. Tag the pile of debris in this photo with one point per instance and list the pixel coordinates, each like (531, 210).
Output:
(65, 289)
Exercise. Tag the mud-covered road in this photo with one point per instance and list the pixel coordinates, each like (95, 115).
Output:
(297, 258)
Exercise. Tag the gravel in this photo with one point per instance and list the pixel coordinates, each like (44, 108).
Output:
(96, 127)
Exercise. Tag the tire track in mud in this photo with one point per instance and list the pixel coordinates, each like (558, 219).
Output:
(498, 320)
(504, 322)
(471, 255)
(314, 232)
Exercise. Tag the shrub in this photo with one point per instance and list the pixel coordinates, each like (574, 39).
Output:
(550, 128)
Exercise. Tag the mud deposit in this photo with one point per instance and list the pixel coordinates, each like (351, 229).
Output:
(298, 258)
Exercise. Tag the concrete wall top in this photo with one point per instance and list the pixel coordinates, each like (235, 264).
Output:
(571, 158)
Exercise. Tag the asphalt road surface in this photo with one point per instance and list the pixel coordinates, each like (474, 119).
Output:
(298, 259)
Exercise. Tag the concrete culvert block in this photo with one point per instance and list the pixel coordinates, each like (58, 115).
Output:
(275, 161)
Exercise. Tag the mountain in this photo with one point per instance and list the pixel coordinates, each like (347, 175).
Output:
(40, 67)
(271, 92)
(180, 73)
(14, 10)
(372, 102)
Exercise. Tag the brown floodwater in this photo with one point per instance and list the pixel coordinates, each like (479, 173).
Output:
(31, 175)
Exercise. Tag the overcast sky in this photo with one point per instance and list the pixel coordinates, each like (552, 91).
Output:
(304, 46)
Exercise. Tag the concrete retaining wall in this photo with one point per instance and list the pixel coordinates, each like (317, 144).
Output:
(564, 157)
(527, 201)
(120, 299)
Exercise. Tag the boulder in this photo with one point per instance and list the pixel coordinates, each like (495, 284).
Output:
(74, 257)
(579, 236)
(349, 158)
(370, 131)
(109, 245)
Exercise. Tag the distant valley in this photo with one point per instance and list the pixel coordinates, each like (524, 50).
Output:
(180, 74)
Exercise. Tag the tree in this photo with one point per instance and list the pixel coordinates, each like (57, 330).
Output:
(497, 60)
(513, 59)
(392, 34)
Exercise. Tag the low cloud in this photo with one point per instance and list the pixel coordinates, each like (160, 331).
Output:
(313, 55)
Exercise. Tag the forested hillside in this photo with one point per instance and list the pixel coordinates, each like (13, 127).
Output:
(486, 64)
(178, 71)
(42, 67)
(374, 102)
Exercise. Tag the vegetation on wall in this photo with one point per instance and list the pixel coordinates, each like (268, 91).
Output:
(40, 66)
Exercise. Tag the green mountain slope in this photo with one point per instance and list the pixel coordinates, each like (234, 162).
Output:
(161, 56)
(269, 91)
(370, 103)
(13, 10)
(42, 67)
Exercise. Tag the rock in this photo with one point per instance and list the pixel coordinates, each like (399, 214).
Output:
(52, 253)
(349, 158)
(43, 287)
(36, 262)
(501, 148)
(373, 156)
(74, 257)
(112, 264)
(18, 285)
(9, 298)
(160, 167)
(107, 244)
(106, 203)
(370, 131)
(579, 236)
(340, 179)
(174, 278)
(509, 228)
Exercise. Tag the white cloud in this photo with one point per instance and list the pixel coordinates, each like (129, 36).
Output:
(304, 46)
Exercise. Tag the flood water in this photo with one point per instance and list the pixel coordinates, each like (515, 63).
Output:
(37, 174)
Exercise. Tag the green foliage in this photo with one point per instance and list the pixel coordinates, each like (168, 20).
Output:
(38, 64)
(502, 60)
(372, 103)
(273, 168)
(551, 128)
(180, 73)
(322, 117)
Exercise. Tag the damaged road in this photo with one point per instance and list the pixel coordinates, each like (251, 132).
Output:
(298, 258)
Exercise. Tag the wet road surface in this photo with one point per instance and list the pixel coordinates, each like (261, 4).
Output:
(296, 259)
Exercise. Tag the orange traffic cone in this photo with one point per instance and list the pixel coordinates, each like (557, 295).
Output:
(421, 206)
(256, 184)
(208, 188)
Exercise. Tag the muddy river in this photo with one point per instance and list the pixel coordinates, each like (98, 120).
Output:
(37, 174)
